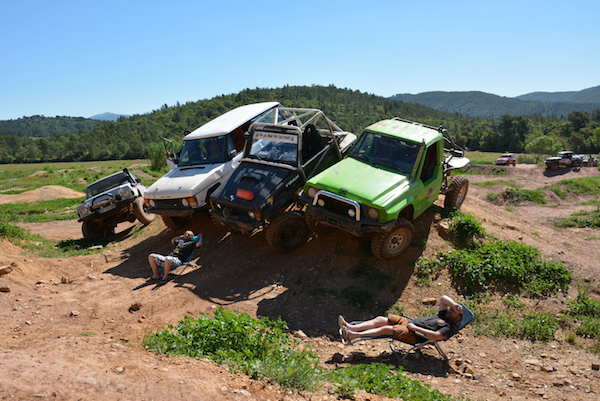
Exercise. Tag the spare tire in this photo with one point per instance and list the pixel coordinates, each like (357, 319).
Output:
(456, 193)
(287, 232)
(139, 209)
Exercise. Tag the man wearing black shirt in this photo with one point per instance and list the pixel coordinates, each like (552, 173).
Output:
(184, 248)
(437, 327)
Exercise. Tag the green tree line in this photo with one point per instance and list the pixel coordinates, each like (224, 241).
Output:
(131, 138)
(41, 126)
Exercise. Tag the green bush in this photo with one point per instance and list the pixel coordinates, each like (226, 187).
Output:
(577, 186)
(158, 159)
(532, 326)
(427, 270)
(589, 328)
(516, 196)
(258, 347)
(584, 306)
(378, 378)
(582, 219)
(465, 229)
(505, 265)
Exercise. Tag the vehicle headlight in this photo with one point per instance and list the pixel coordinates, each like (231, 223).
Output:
(311, 192)
(251, 214)
(321, 202)
(185, 202)
(83, 210)
(351, 212)
(152, 203)
(373, 213)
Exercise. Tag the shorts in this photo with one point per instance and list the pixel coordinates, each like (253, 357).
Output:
(161, 259)
(401, 330)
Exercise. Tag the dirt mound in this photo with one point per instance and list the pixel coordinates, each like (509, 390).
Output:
(62, 229)
(47, 192)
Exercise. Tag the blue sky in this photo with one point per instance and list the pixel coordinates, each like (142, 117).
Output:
(87, 57)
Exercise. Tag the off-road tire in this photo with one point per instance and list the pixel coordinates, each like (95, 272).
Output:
(174, 223)
(287, 232)
(96, 231)
(456, 193)
(393, 243)
(140, 212)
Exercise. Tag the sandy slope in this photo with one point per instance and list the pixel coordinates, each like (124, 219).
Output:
(47, 192)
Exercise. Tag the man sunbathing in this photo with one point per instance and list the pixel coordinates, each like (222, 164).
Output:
(437, 327)
(184, 248)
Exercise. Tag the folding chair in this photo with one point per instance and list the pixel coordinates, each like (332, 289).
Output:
(468, 317)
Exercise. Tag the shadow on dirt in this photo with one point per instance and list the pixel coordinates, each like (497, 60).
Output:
(414, 362)
(334, 273)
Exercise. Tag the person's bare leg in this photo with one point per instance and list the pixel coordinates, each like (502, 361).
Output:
(167, 269)
(382, 331)
(153, 266)
(374, 323)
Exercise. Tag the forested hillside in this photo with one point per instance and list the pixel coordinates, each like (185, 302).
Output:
(484, 104)
(40, 126)
(131, 138)
(589, 95)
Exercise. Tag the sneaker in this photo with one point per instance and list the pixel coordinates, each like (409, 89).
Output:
(344, 336)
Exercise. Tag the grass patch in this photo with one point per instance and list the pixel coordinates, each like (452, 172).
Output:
(378, 378)
(581, 219)
(475, 169)
(585, 314)
(533, 326)
(493, 183)
(259, 348)
(465, 229)
(55, 209)
(516, 196)
(427, 270)
(576, 186)
(505, 266)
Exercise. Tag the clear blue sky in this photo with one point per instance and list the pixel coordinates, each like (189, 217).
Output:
(87, 57)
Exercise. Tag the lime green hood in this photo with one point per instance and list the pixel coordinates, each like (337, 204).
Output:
(361, 182)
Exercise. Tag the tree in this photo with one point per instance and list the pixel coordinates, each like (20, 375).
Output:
(543, 145)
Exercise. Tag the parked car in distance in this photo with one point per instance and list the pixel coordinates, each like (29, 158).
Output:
(588, 160)
(110, 201)
(564, 159)
(208, 157)
(506, 159)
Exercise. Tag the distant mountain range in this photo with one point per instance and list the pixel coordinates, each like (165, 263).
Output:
(482, 104)
(107, 116)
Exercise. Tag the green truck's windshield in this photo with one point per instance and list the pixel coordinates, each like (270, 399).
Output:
(386, 151)
(203, 151)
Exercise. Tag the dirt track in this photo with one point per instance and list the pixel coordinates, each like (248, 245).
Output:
(77, 339)
(47, 192)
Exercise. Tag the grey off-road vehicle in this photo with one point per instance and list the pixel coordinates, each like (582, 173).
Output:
(110, 201)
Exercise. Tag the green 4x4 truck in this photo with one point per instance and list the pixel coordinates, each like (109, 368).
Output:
(393, 174)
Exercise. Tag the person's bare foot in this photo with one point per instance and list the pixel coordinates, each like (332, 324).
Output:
(342, 322)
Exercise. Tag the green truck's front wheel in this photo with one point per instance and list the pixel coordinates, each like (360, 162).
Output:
(392, 244)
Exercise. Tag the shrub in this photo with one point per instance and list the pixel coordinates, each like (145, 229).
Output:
(503, 265)
(258, 347)
(577, 186)
(378, 378)
(538, 327)
(516, 196)
(589, 328)
(465, 229)
(582, 219)
(584, 306)
(427, 270)
(157, 157)
(532, 326)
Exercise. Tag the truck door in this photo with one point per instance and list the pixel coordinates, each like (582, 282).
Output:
(429, 178)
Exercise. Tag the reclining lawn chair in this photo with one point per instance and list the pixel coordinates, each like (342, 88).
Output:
(468, 317)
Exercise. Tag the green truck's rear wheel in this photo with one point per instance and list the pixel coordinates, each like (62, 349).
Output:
(456, 193)
(392, 244)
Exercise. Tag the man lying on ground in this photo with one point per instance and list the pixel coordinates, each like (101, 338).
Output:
(184, 247)
(437, 327)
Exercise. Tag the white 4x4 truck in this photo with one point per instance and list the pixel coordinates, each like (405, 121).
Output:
(208, 157)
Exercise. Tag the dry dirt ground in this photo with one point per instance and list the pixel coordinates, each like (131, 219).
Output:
(47, 192)
(67, 332)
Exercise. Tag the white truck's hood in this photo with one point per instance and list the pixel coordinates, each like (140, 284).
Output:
(183, 182)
